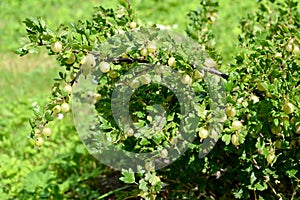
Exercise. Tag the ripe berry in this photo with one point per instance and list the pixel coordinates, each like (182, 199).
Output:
(39, 141)
(56, 47)
(276, 129)
(56, 109)
(68, 89)
(230, 111)
(186, 79)
(134, 84)
(71, 59)
(288, 108)
(296, 49)
(87, 63)
(47, 131)
(235, 140)
(145, 79)
(289, 47)
(37, 133)
(164, 153)
(133, 25)
(203, 133)
(151, 47)
(65, 107)
(97, 96)
(130, 132)
(237, 125)
(104, 67)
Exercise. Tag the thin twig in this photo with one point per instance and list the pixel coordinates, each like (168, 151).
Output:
(280, 198)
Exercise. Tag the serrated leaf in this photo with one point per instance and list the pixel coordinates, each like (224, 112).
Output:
(261, 187)
(128, 176)
(143, 185)
(153, 179)
(37, 110)
(292, 173)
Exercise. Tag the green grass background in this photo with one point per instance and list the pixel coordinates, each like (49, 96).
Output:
(24, 80)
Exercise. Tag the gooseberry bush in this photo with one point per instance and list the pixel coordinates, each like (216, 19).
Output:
(257, 155)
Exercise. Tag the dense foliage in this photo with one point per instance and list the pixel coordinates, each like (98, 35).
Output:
(257, 155)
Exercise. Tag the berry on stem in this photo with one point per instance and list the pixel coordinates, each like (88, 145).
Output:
(39, 141)
(56, 47)
(65, 107)
(47, 131)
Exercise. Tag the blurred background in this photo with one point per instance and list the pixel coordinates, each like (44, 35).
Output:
(63, 165)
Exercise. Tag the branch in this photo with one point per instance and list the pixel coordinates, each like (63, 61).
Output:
(131, 60)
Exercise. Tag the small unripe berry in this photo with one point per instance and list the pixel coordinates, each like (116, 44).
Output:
(164, 153)
(198, 74)
(113, 74)
(133, 25)
(276, 129)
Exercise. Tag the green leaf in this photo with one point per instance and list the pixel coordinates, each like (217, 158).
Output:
(144, 142)
(48, 116)
(128, 176)
(153, 179)
(143, 185)
(226, 138)
(252, 178)
(292, 173)
(261, 187)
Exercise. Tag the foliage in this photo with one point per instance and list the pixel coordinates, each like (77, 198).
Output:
(257, 156)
